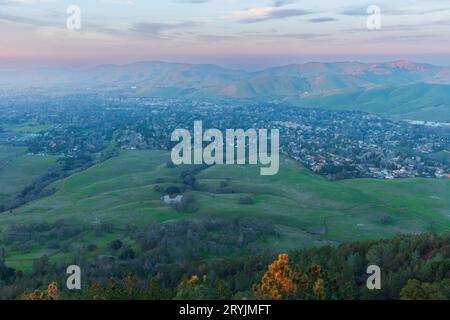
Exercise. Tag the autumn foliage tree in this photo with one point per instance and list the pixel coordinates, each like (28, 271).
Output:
(279, 282)
(283, 281)
(202, 288)
(52, 293)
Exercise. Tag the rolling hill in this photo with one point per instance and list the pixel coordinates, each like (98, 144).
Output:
(305, 209)
(419, 101)
(18, 170)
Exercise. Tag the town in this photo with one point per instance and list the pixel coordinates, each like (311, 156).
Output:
(335, 144)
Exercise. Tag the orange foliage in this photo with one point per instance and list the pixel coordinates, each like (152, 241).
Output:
(279, 282)
(193, 279)
(52, 293)
(283, 281)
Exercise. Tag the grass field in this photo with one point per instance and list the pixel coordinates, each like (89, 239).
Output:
(18, 170)
(31, 128)
(9, 152)
(306, 209)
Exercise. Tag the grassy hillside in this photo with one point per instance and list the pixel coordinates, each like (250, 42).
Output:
(18, 170)
(415, 102)
(9, 152)
(306, 209)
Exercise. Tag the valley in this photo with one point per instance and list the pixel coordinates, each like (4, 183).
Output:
(87, 178)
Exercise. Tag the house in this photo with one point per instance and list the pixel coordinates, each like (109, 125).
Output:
(168, 199)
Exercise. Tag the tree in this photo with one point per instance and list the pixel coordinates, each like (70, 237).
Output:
(6, 273)
(52, 293)
(127, 254)
(283, 281)
(279, 282)
(41, 265)
(196, 288)
(173, 190)
(416, 290)
(187, 204)
(115, 244)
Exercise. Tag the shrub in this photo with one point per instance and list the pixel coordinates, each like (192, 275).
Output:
(115, 245)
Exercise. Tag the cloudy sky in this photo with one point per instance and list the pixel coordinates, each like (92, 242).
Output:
(237, 33)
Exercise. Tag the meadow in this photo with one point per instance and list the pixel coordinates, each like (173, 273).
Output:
(306, 210)
(19, 169)
(30, 128)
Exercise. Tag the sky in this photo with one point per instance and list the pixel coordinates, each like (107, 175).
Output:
(244, 34)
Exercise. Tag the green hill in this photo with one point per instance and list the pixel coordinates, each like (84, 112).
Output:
(18, 170)
(415, 102)
(305, 209)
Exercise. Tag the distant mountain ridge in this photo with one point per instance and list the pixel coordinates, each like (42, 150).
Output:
(302, 84)
(285, 81)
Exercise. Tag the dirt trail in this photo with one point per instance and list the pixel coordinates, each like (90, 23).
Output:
(63, 186)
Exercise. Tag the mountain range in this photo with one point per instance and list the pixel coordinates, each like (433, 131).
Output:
(402, 89)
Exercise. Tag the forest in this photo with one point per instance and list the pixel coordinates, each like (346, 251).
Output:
(166, 267)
